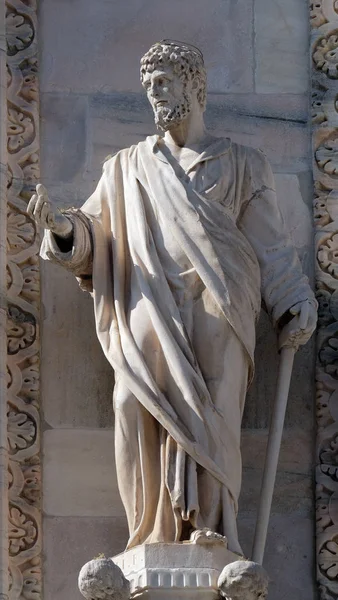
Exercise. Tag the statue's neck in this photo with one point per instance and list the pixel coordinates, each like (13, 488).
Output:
(190, 133)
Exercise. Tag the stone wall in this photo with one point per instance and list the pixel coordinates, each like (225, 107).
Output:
(92, 104)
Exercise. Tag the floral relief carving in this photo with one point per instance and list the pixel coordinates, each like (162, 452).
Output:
(20, 129)
(329, 356)
(327, 156)
(23, 312)
(30, 280)
(320, 212)
(323, 518)
(328, 256)
(324, 301)
(21, 332)
(328, 559)
(325, 55)
(317, 17)
(323, 15)
(32, 482)
(318, 110)
(30, 381)
(20, 231)
(329, 456)
(32, 581)
(29, 88)
(21, 430)
(9, 177)
(19, 31)
(30, 172)
(22, 531)
(24, 481)
(30, 168)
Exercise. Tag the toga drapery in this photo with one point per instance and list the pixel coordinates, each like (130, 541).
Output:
(177, 262)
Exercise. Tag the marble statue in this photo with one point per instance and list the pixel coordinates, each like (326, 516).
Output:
(179, 244)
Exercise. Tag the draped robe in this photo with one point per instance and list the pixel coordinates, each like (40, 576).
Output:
(177, 263)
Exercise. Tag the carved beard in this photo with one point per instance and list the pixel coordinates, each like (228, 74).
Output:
(166, 117)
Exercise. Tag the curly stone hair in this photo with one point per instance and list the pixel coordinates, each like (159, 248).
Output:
(186, 61)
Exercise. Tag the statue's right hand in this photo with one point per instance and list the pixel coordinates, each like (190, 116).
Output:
(47, 215)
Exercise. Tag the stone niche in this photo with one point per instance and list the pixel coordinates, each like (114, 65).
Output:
(91, 105)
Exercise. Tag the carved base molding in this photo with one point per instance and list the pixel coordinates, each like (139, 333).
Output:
(203, 568)
(324, 52)
(23, 302)
(187, 570)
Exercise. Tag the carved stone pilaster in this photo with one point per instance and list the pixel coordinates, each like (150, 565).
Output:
(23, 302)
(324, 54)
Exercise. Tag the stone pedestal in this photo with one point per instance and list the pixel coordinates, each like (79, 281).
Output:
(203, 568)
(185, 571)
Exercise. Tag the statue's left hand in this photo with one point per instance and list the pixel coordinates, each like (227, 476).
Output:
(299, 330)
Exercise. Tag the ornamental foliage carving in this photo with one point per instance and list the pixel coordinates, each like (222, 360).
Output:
(324, 21)
(325, 55)
(23, 304)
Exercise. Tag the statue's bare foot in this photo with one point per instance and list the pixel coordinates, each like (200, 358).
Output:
(207, 536)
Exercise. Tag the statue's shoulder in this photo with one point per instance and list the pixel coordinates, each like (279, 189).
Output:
(119, 157)
(254, 160)
(248, 153)
(132, 151)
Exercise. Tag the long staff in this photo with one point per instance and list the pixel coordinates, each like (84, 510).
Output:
(272, 453)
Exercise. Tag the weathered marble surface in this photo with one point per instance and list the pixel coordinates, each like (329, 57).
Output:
(243, 580)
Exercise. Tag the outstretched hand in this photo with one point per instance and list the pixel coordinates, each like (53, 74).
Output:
(47, 215)
(299, 330)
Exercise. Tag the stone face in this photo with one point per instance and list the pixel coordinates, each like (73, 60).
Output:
(79, 474)
(281, 46)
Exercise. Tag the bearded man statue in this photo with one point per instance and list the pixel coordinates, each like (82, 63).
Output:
(178, 245)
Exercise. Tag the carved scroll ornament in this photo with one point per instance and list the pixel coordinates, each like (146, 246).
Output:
(324, 20)
(23, 303)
